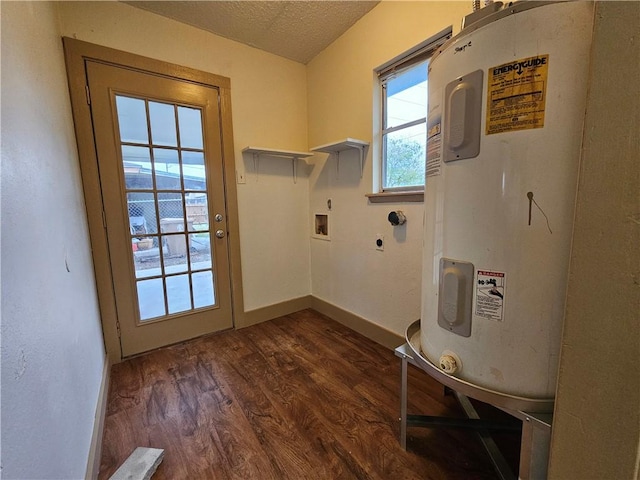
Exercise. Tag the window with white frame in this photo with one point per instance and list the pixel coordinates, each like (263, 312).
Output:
(403, 83)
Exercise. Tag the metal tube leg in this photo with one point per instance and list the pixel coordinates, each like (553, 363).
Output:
(403, 405)
(499, 463)
(534, 453)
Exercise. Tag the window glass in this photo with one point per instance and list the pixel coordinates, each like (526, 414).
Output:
(403, 116)
(190, 121)
(404, 134)
(132, 119)
(167, 169)
(405, 156)
(163, 124)
(406, 96)
(136, 163)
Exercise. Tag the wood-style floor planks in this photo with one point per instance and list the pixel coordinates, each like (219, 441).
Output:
(297, 397)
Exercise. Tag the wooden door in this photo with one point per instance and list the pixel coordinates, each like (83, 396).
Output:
(159, 151)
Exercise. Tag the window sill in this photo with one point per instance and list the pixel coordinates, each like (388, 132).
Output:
(396, 197)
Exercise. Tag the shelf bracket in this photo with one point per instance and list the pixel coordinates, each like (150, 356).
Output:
(288, 154)
(294, 166)
(361, 152)
(335, 148)
(256, 158)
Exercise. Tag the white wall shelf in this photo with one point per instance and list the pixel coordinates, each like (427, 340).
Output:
(335, 148)
(271, 152)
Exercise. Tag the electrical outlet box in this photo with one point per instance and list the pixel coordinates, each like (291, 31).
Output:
(321, 226)
(380, 242)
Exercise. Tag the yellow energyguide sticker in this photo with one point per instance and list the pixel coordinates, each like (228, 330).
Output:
(516, 95)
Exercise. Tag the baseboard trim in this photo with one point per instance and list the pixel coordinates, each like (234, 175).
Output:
(95, 451)
(259, 315)
(375, 332)
(365, 327)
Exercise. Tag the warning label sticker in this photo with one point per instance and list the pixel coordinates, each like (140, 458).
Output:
(434, 144)
(516, 95)
(490, 294)
(434, 134)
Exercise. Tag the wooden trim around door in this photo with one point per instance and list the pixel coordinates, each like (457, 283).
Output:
(76, 54)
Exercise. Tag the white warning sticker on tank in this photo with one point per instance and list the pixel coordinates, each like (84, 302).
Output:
(489, 299)
(434, 137)
(434, 146)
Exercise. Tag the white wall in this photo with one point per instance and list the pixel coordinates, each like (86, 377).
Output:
(382, 287)
(52, 349)
(596, 431)
(268, 95)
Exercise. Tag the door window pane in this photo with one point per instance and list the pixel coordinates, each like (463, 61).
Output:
(194, 171)
(163, 124)
(197, 212)
(167, 169)
(151, 299)
(146, 256)
(202, 289)
(136, 162)
(175, 258)
(190, 120)
(200, 249)
(171, 213)
(178, 293)
(132, 119)
(142, 213)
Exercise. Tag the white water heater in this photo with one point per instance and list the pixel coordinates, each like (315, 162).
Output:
(507, 101)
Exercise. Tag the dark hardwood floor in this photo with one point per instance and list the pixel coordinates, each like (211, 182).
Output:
(297, 397)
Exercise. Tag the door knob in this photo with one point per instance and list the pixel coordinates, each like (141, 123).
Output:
(220, 233)
(218, 217)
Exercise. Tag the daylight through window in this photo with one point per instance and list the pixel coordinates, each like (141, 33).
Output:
(404, 128)
(403, 83)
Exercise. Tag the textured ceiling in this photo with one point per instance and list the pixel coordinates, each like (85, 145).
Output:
(297, 30)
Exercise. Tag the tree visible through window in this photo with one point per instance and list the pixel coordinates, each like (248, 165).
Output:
(403, 82)
(404, 128)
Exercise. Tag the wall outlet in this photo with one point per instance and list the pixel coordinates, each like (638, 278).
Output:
(241, 177)
(380, 242)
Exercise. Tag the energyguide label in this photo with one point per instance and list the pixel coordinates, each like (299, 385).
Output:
(516, 95)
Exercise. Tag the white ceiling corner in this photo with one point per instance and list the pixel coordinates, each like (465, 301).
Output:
(297, 30)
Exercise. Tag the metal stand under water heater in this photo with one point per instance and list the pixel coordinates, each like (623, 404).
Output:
(507, 99)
